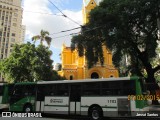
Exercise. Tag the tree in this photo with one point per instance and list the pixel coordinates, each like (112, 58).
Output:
(29, 63)
(156, 62)
(43, 37)
(126, 27)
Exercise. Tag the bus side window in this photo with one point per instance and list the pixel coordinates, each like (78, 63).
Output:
(29, 90)
(10, 89)
(41, 92)
(62, 90)
(119, 92)
(1, 90)
(129, 87)
(52, 90)
(91, 89)
(18, 90)
(107, 92)
(52, 93)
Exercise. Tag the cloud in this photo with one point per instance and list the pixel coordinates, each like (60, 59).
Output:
(35, 22)
(60, 3)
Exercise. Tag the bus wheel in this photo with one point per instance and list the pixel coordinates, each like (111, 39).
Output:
(27, 108)
(95, 113)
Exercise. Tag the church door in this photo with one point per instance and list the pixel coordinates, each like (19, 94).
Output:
(94, 75)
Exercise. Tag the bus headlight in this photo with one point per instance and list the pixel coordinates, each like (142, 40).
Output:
(149, 102)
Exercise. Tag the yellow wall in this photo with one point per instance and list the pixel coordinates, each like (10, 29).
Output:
(75, 66)
(86, 10)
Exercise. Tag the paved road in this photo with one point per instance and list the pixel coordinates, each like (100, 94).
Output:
(55, 118)
(31, 119)
(75, 118)
(52, 117)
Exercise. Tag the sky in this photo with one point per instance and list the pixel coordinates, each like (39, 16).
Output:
(35, 21)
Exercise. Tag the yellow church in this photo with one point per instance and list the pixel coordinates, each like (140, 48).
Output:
(75, 67)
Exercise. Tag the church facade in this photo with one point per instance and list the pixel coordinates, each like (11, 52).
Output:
(75, 67)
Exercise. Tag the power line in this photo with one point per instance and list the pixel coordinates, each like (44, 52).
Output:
(63, 13)
(80, 32)
(65, 35)
(51, 14)
(32, 11)
(42, 13)
(72, 20)
(77, 32)
(57, 8)
(61, 36)
(56, 15)
(71, 29)
(66, 30)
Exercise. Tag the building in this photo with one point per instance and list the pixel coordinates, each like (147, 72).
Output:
(23, 31)
(57, 66)
(11, 29)
(75, 67)
(88, 5)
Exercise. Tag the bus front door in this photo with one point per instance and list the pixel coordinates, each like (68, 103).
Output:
(75, 99)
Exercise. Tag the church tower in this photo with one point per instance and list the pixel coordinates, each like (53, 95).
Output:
(88, 5)
(75, 67)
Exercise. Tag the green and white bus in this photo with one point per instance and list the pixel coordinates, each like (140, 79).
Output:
(93, 97)
(5, 92)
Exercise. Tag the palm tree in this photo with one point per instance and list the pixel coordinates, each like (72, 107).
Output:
(42, 37)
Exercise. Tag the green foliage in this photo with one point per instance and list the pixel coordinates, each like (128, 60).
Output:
(88, 44)
(29, 63)
(155, 62)
(126, 27)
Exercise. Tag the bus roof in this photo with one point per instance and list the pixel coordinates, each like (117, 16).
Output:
(87, 80)
(78, 81)
(25, 83)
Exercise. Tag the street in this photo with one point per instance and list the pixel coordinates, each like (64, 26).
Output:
(65, 117)
(31, 119)
(26, 118)
(73, 118)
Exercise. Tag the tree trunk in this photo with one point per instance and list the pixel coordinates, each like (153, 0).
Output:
(150, 71)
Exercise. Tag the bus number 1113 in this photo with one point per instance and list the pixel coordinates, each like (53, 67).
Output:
(111, 101)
